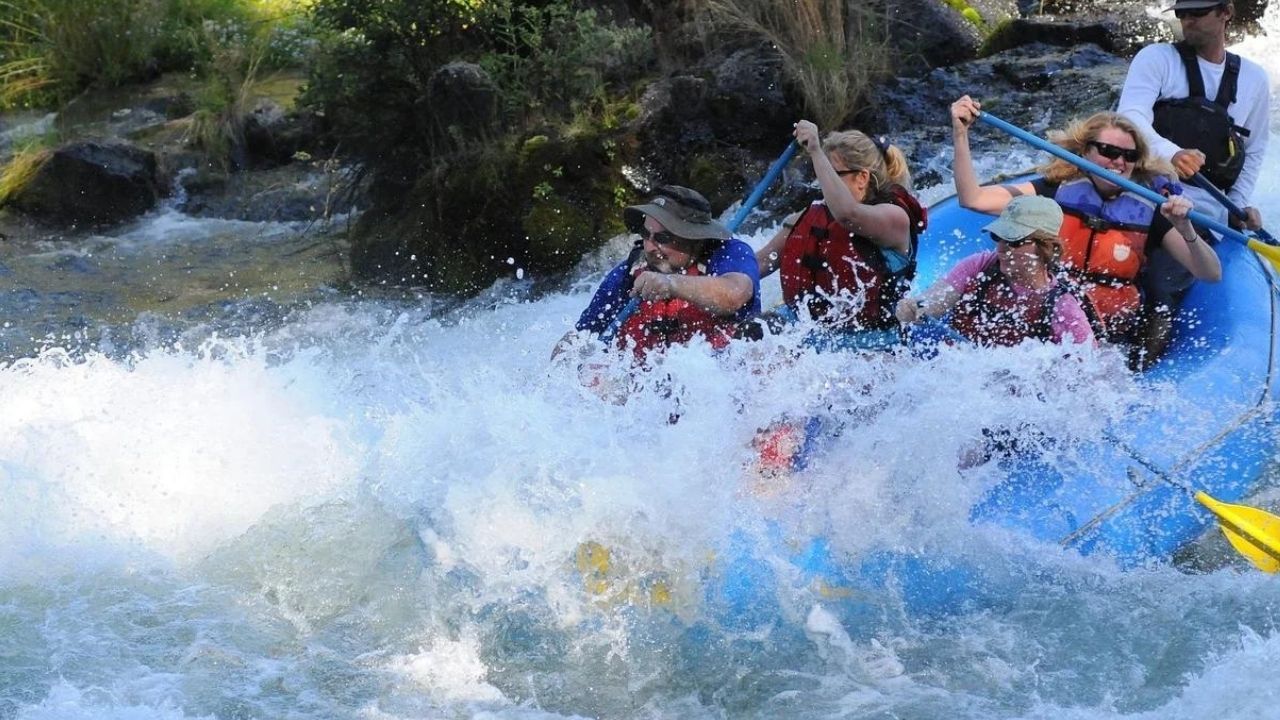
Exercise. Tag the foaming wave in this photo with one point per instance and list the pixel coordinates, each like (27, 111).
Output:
(170, 453)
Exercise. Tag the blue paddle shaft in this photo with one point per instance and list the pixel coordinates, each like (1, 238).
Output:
(747, 206)
(1095, 169)
(754, 198)
(1204, 184)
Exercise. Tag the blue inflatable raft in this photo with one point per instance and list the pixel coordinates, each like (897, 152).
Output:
(1134, 502)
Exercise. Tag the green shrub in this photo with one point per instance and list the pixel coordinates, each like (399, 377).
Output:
(21, 167)
(52, 49)
(375, 61)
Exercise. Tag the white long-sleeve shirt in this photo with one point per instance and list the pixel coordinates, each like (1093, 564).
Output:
(1156, 73)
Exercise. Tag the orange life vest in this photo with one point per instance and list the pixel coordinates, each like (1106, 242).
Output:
(1104, 247)
(822, 259)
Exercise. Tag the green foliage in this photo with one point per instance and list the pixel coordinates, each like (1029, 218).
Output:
(21, 167)
(832, 50)
(223, 100)
(52, 49)
(548, 60)
(373, 70)
(968, 12)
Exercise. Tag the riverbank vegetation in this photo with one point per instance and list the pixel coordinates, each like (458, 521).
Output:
(50, 50)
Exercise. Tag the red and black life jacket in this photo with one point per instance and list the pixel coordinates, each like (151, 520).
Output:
(991, 313)
(1206, 125)
(1104, 248)
(661, 323)
(822, 260)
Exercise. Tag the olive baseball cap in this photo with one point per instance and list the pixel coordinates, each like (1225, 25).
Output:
(686, 213)
(1027, 214)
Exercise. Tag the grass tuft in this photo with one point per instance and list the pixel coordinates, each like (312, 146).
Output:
(833, 51)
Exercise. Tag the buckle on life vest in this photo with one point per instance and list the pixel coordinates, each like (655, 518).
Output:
(813, 262)
(1097, 224)
(1100, 279)
(663, 327)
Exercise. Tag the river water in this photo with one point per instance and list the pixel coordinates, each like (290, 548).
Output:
(232, 487)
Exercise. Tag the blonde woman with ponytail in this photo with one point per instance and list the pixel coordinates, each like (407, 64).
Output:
(847, 259)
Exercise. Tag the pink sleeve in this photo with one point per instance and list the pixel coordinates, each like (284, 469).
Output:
(1070, 322)
(967, 269)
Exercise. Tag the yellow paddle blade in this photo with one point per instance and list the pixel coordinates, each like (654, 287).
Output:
(1254, 533)
(1271, 253)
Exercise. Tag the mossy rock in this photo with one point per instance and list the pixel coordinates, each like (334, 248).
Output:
(717, 177)
(558, 231)
(536, 204)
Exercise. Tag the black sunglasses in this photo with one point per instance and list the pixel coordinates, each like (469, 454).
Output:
(1197, 12)
(1111, 152)
(661, 237)
(842, 173)
(1013, 243)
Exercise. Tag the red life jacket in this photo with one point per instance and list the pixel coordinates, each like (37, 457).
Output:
(1104, 247)
(661, 323)
(822, 259)
(990, 312)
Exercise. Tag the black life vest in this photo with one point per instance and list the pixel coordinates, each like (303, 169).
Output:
(1199, 123)
(822, 259)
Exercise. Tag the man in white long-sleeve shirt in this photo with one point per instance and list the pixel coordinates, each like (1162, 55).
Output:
(1158, 74)
(1193, 132)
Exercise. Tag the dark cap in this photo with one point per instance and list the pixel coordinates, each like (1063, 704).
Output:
(1195, 4)
(682, 211)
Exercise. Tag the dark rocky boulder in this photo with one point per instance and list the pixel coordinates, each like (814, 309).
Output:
(91, 184)
(700, 130)
(297, 192)
(1121, 35)
(272, 135)
(496, 210)
(461, 101)
(930, 34)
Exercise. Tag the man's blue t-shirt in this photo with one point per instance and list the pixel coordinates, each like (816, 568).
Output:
(730, 257)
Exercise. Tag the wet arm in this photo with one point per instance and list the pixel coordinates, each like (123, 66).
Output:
(885, 224)
(989, 199)
(769, 257)
(719, 294)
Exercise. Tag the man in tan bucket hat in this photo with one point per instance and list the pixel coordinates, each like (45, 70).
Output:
(686, 277)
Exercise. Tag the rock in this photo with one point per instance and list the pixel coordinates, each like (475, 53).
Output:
(273, 136)
(746, 101)
(90, 183)
(463, 99)
(501, 210)
(933, 32)
(673, 120)
(292, 193)
(1123, 32)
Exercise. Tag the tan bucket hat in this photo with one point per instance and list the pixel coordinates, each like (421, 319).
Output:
(686, 213)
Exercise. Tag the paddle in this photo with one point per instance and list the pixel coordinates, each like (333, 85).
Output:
(1236, 211)
(1254, 533)
(747, 206)
(1268, 252)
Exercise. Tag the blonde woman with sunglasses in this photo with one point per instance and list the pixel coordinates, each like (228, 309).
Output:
(1107, 232)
